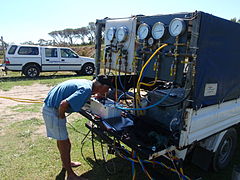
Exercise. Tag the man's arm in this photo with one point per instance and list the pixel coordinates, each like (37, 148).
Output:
(64, 105)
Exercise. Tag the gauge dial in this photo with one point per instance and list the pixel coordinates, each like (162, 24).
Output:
(177, 26)
(158, 30)
(122, 33)
(110, 33)
(143, 31)
(150, 41)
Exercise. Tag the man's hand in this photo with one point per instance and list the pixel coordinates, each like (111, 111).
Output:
(64, 105)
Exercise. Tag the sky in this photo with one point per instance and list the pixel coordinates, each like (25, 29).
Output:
(31, 20)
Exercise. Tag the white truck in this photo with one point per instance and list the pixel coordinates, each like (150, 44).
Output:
(31, 60)
(179, 79)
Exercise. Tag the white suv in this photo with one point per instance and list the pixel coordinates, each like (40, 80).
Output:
(32, 60)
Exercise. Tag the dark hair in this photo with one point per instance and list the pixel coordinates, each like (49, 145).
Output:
(104, 80)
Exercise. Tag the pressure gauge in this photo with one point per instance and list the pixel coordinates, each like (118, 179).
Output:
(122, 33)
(143, 31)
(150, 41)
(158, 30)
(110, 33)
(177, 26)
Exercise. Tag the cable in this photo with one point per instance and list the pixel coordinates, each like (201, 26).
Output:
(93, 148)
(105, 162)
(126, 93)
(133, 166)
(76, 129)
(176, 103)
(148, 107)
(155, 80)
(23, 100)
(143, 168)
(81, 149)
(144, 66)
(132, 160)
(138, 95)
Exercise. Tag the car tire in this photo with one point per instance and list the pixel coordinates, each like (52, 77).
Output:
(31, 71)
(225, 150)
(88, 69)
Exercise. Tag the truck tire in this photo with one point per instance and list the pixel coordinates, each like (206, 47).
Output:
(87, 69)
(225, 150)
(31, 71)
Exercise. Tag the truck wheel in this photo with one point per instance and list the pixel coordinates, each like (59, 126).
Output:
(225, 150)
(31, 71)
(88, 69)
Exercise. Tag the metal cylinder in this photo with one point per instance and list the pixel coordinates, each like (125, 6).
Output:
(99, 25)
(236, 172)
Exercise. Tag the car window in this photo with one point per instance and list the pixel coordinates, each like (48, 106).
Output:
(67, 53)
(51, 52)
(12, 49)
(28, 51)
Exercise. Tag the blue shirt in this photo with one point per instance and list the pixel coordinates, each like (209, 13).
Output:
(76, 92)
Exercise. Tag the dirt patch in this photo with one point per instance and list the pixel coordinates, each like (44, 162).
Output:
(8, 115)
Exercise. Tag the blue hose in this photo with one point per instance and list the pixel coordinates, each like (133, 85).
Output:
(145, 108)
(120, 82)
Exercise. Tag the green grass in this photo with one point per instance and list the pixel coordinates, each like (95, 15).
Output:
(26, 108)
(24, 154)
(16, 79)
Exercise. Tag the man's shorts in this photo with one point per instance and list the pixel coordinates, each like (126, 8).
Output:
(55, 126)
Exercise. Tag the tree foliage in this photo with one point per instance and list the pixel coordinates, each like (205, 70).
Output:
(235, 20)
(71, 36)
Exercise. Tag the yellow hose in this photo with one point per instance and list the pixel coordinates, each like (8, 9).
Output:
(138, 96)
(23, 100)
(144, 66)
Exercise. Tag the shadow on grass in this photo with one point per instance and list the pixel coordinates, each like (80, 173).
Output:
(118, 169)
(123, 170)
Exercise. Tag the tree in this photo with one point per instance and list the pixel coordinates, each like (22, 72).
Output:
(91, 32)
(42, 42)
(235, 20)
(57, 36)
(28, 43)
(81, 33)
(68, 35)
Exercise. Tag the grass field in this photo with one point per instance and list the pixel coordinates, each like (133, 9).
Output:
(50, 78)
(25, 153)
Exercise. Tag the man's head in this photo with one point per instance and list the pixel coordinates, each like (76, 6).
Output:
(101, 85)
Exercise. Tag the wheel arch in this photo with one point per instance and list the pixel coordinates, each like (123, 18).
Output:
(88, 63)
(31, 63)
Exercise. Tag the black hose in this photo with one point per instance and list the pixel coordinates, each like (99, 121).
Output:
(176, 103)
